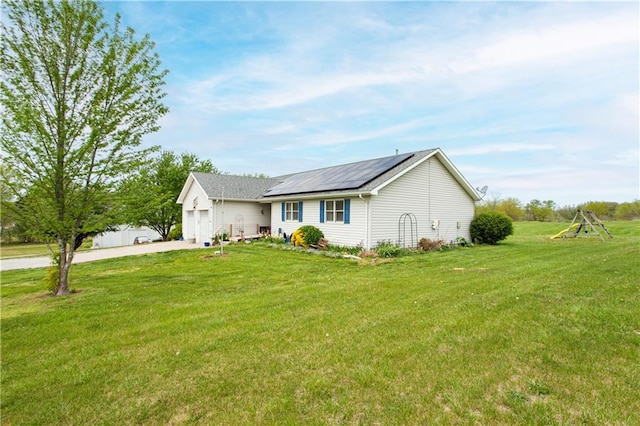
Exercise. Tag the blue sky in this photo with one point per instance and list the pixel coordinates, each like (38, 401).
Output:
(537, 100)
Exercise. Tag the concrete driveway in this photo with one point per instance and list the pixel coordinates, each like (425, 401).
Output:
(98, 254)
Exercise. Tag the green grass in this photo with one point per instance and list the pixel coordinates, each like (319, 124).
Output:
(532, 331)
(12, 250)
(9, 250)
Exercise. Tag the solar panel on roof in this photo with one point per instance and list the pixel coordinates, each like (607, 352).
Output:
(348, 176)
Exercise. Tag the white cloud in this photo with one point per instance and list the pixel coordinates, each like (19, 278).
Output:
(491, 149)
(538, 45)
(297, 72)
(498, 86)
(275, 87)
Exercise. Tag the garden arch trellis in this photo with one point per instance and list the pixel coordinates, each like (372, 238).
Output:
(410, 220)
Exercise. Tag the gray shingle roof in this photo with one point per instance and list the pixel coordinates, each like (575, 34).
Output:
(362, 176)
(234, 187)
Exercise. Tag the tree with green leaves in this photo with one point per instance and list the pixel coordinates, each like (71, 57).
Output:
(7, 202)
(604, 210)
(150, 196)
(628, 211)
(540, 211)
(77, 97)
(512, 207)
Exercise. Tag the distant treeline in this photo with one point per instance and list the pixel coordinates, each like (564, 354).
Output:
(548, 211)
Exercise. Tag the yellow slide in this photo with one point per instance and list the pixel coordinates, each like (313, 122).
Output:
(561, 233)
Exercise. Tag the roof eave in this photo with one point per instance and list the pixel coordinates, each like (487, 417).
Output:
(226, 199)
(447, 164)
(458, 176)
(315, 196)
(185, 189)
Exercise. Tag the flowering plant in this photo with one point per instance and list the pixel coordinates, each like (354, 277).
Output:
(297, 239)
(306, 236)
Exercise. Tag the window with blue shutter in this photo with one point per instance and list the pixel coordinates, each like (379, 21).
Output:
(292, 211)
(335, 211)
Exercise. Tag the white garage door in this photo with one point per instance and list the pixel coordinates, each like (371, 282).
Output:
(190, 232)
(203, 226)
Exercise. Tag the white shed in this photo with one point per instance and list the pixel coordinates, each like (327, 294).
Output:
(124, 236)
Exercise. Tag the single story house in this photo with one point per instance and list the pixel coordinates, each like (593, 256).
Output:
(398, 199)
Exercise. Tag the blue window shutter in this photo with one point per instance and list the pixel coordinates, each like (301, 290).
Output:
(283, 212)
(347, 210)
(321, 211)
(299, 211)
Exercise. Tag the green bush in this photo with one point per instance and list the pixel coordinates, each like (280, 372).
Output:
(52, 277)
(388, 249)
(310, 234)
(175, 233)
(490, 228)
(461, 242)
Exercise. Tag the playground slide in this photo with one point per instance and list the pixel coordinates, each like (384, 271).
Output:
(564, 231)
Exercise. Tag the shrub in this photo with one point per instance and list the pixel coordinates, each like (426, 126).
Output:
(297, 238)
(344, 249)
(52, 278)
(462, 242)
(175, 233)
(306, 236)
(387, 249)
(220, 237)
(490, 228)
(427, 244)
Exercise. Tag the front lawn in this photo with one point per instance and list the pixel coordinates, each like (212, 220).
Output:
(532, 331)
(12, 250)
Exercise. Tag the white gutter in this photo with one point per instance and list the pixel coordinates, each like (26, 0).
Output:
(315, 196)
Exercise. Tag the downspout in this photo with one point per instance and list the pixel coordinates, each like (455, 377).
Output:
(211, 219)
(367, 231)
(429, 188)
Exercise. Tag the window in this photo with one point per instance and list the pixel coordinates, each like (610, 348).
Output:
(334, 211)
(292, 211)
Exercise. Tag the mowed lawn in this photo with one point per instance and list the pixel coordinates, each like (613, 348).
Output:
(532, 331)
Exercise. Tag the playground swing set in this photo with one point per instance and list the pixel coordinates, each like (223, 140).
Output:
(585, 223)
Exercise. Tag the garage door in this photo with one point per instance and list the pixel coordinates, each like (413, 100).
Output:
(203, 226)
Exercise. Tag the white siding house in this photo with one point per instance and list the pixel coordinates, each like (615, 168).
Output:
(427, 202)
(400, 199)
